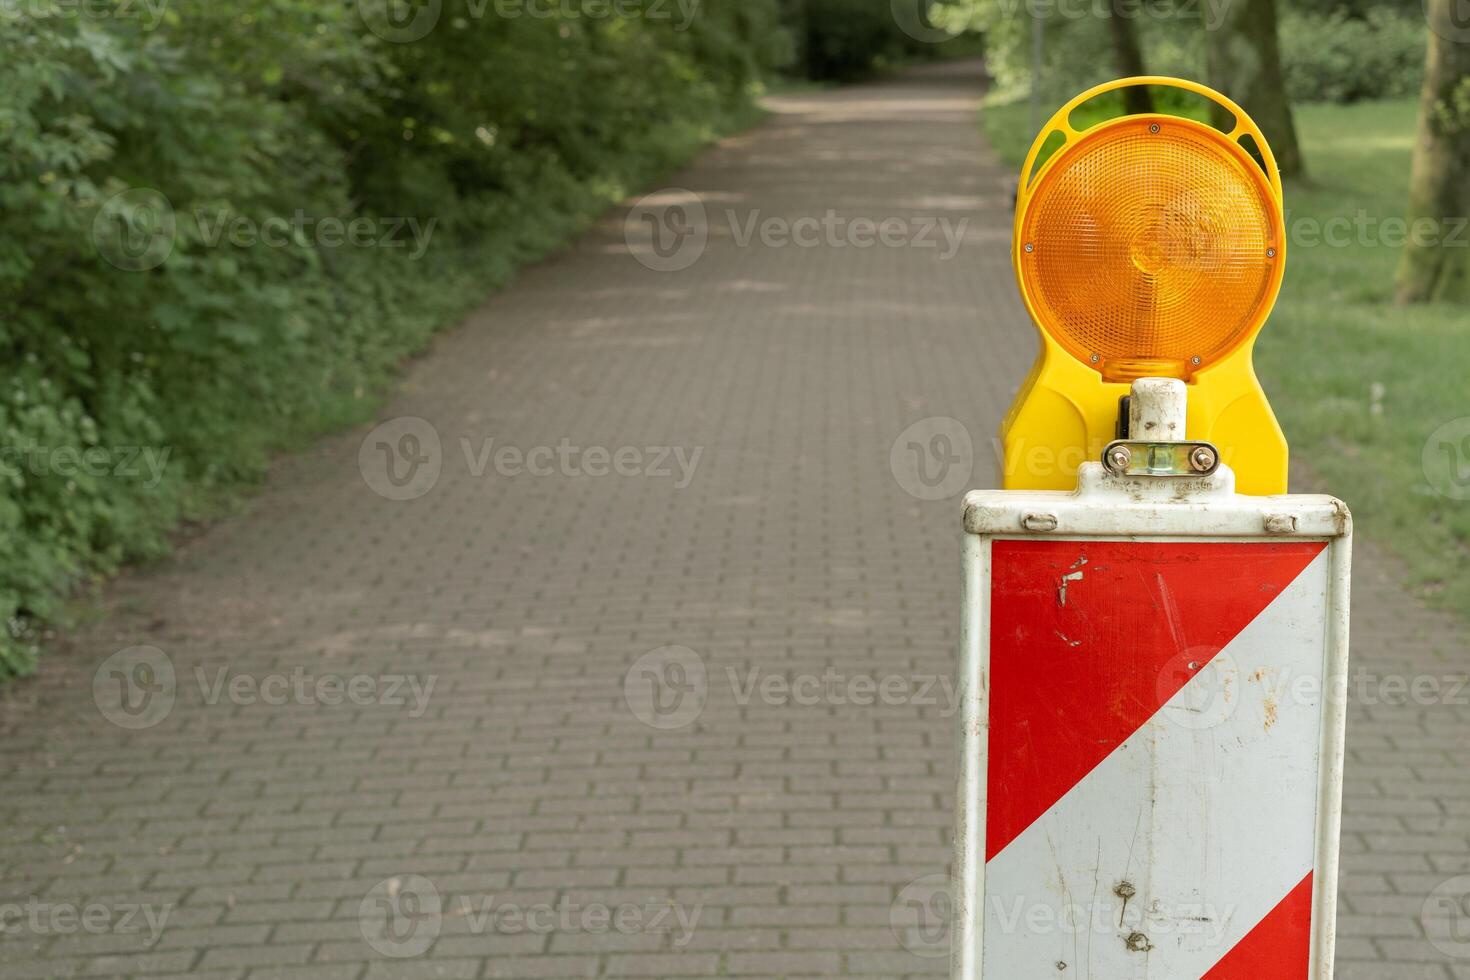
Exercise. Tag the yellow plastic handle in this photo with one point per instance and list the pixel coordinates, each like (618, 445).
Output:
(1061, 122)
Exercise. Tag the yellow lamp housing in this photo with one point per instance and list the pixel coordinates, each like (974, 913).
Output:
(1149, 245)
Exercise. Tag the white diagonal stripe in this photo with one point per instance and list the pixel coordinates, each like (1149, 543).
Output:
(1208, 812)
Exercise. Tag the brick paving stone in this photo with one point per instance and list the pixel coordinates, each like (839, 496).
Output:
(523, 781)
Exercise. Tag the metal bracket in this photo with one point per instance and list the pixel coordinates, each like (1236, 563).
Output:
(1125, 457)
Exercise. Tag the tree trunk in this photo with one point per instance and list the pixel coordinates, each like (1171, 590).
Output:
(1244, 61)
(1436, 266)
(1128, 54)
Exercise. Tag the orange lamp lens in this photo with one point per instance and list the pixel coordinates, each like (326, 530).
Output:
(1152, 247)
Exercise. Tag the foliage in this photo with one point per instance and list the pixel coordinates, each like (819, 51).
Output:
(1077, 50)
(1330, 53)
(841, 40)
(1337, 57)
(222, 225)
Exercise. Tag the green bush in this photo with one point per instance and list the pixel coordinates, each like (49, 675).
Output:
(221, 231)
(1340, 57)
(842, 40)
(1077, 52)
(1329, 53)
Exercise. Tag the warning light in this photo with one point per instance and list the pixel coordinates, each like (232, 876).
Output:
(1148, 245)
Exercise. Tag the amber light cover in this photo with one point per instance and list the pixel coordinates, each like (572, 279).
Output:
(1152, 247)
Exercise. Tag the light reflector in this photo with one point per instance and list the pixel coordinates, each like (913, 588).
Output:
(1152, 247)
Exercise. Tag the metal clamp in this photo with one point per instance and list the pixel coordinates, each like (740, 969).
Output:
(1125, 457)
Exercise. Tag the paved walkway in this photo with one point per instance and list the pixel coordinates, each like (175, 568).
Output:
(646, 610)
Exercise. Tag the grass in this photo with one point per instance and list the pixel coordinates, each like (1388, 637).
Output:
(1362, 387)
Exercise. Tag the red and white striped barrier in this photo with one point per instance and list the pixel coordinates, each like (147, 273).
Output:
(1152, 689)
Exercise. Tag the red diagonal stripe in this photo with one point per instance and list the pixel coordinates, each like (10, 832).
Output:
(1077, 665)
(1278, 948)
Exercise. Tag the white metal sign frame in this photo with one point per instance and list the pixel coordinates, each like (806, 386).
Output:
(1109, 508)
